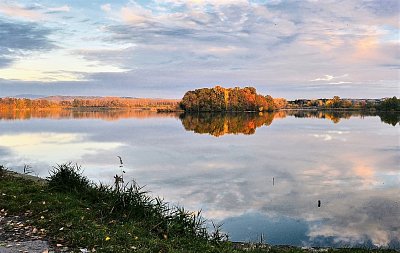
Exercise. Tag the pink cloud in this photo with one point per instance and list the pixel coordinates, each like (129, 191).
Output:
(20, 12)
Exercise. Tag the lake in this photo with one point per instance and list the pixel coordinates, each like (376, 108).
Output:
(257, 174)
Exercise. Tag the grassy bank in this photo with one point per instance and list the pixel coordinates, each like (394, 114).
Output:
(69, 210)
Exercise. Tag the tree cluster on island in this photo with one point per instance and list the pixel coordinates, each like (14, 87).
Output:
(219, 99)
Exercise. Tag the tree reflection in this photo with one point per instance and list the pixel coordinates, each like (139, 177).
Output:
(59, 113)
(334, 116)
(392, 118)
(218, 124)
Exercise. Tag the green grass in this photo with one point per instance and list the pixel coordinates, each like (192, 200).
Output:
(79, 214)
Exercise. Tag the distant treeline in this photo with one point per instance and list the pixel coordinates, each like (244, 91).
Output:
(386, 104)
(106, 102)
(217, 99)
(24, 103)
(228, 99)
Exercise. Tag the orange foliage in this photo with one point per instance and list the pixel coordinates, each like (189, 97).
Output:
(104, 102)
(219, 99)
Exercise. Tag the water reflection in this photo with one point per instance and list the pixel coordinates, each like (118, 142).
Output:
(392, 118)
(226, 123)
(59, 113)
(268, 182)
(53, 147)
(218, 124)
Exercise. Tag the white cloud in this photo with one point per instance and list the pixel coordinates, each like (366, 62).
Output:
(64, 8)
(106, 7)
(341, 82)
(135, 14)
(204, 2)
(329, 78)
(49, 147)
(54, 66)
(325, 137)
(325, 78)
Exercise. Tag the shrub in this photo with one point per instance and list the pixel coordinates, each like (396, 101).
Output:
(128, 203)
(68, 178)
(2, 170)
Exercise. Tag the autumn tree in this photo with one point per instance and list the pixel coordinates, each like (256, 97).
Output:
(226, 99)
(390, 104)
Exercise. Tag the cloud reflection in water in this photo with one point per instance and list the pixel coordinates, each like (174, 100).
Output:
(354, 172)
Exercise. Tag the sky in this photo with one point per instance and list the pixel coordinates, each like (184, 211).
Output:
(162, 48)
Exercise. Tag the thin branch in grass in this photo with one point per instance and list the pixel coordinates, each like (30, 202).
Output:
(217, 235)
(27, 169)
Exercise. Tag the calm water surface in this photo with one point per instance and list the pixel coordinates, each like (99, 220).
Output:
(256, 174)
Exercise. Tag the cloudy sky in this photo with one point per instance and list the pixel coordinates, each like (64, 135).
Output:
(162, 48)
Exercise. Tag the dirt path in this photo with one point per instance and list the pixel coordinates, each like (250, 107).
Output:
(16, 236)
(28, 247)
